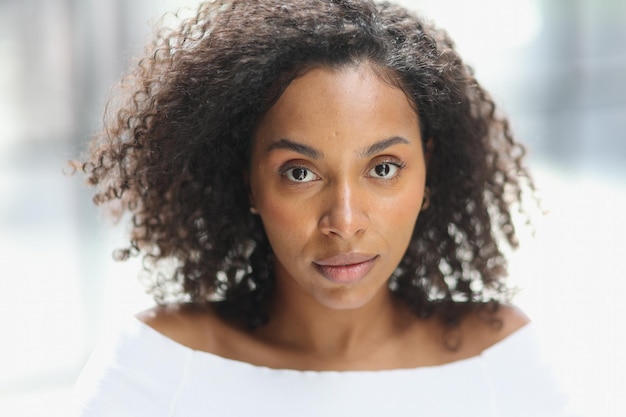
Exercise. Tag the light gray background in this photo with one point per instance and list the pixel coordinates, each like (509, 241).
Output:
(557, 67)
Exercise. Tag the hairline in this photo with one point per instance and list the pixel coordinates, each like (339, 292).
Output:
(386, 74)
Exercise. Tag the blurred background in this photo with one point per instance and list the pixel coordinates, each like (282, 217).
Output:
(557, 67)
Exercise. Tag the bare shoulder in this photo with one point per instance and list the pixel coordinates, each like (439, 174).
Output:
(185, 324)
(512, 319)
(483, 328)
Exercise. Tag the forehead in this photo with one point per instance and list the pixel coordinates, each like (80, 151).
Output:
(357, 79)
(344, 101)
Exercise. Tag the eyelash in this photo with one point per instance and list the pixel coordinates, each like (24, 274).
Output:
(394, 162)
(399, 165)
(285, 171)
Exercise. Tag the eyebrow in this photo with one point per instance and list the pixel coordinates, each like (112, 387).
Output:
(384, 144)
(296, 147)
(315, 154)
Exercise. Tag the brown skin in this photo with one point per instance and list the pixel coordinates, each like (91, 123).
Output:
(417, 343)
(342, 205)
(345, 190)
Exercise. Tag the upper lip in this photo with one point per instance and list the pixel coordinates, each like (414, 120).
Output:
(342, 259)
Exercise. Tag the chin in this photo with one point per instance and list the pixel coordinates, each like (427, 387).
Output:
(344, 299)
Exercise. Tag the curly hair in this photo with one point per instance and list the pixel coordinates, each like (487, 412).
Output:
(177, 137)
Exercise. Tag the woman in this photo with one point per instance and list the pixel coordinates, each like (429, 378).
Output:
(321, 191)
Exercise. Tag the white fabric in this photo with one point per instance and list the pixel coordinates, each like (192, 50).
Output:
(143, 373)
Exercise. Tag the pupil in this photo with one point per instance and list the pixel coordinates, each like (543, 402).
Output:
(299, 174)
(382, 170)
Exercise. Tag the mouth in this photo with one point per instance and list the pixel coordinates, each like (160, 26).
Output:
(346, 268)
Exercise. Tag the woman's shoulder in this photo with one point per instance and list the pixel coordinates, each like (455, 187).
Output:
(197, 328)
(480, 328)
(486, 327)
(132, 362)
(201, 328)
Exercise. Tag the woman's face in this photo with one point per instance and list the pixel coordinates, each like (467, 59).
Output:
(337, 176)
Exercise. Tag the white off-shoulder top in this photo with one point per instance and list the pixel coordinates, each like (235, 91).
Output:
(142, 373)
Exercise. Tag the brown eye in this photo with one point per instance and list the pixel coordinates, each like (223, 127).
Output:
(384, 171)
(299, 174)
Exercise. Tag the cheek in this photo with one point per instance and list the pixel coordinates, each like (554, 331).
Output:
(279, 211)
(398, 216)
(287, 224)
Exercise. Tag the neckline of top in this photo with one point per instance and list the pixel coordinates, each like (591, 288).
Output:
(491, 350)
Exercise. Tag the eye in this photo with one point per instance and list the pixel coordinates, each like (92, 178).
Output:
(384, 170)
(299, 174)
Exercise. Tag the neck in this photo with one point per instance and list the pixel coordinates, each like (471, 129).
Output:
(300, 323)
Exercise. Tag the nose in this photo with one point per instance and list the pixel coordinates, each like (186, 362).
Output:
(345, 214)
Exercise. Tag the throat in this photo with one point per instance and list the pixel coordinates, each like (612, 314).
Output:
(330, 337)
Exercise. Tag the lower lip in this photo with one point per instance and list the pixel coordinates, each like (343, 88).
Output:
(346, 274)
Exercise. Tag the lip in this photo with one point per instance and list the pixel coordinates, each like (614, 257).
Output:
(346, 268)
